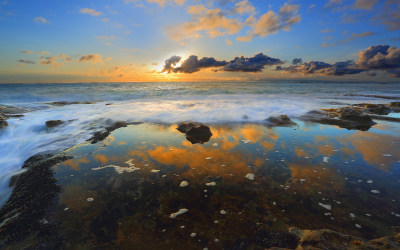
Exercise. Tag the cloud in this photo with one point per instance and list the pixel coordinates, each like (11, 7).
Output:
(270, 22)
(211, 21)
(163, 2)
(229, 42)
(54, 61)
(91, 58)
(297, 61)
(26, 52)
(239, 64)
(351, 38)
(364, 4)
(26, 61)
(91, 12)
(41, 20)
(324, 31)
(390, 16)
(380, 57)
(333, 3)
(322, 68)
(244, 7)
(172, 61)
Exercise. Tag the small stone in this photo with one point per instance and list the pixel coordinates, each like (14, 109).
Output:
(250, 176)
(222, 211)
(192, 235)
(90, 199)
(183, 184)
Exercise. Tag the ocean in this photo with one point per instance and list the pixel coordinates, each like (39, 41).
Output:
(172, 102)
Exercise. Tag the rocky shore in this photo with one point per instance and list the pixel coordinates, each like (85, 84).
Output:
(27, 215)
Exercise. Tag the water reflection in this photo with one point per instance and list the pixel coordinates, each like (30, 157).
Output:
(295, 171)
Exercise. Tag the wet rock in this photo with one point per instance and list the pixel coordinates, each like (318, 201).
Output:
(276, 239)
(377, 109)
(281, 121)
(345, 118)
(63, 103)
(25, 212)
(394, 104)
(329, 239)
(3, 122)
(53, 123)
(195, 132)
(101, 135)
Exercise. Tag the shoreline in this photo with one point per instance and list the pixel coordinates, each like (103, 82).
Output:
(25, 207)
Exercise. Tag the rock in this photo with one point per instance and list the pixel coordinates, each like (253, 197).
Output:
(3, 122)
(101, 135)
(377, 109)
(345, 118)
(63, 103)
(281, 121)
(53, 123)
(394, 104)
(195, 132)
(330, 239)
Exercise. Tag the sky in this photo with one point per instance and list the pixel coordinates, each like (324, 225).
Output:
(198, 40)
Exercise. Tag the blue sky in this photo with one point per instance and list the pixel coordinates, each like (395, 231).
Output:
(129, 40)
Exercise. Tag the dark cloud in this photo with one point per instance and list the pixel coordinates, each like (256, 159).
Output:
(297, 61)
(91, 58)
(239, 64)
(252, 64)
(380, 57)
(193, 64)
(316, 67)
(26, 61)
(172, 61)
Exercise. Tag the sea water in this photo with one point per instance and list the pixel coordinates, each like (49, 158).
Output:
(209, 102)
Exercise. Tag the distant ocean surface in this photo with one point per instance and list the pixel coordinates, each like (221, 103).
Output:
(173, 102)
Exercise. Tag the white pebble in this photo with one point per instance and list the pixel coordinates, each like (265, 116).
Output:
(208, 158)
(328, 207)
(155, 170)
(375, 191)
(370, 181)
(210, 184)
(215, 144)
(250, 176)
(183, 184)
(358, 226)
(90, 199)
(222, 211)
(192, 234)
(181, 211)
(325, 159)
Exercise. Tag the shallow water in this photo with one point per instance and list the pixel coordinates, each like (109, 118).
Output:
(209, 102)
(310, 177)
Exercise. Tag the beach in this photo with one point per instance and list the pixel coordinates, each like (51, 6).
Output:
(114, 171)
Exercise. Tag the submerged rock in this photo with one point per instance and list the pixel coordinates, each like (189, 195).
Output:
(394, 104)
(330, 239)
(63, 103)
(195, 132)
(53, 123)
(377, 109)
(281, 121)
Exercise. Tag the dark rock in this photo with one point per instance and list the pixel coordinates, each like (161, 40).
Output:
(385, 118)
(276, 239)
(377, 109)
(281, 121)
(195, 132)
(347, 118)
(53, 123)
(3, 122)
(33, 195)
(63, 103)
(394, 104)
(101, 135)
